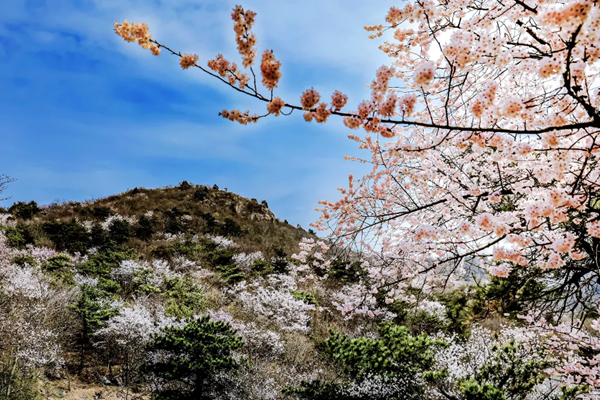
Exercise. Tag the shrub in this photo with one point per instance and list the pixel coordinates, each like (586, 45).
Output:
(222, 261)
(120, 231)
(185, 185)
(345, 271)
(102, 263)
(201, 194)
(189, 359)
(24, 210)
(24, 259)
(172, 221)
(210, 222)
(395, 355)
(253, 206)
(279, 261)
(68, 236)
(99, 237)
(61, 268)
(420, 317)
(308, 298)
(146, 227)
(108, 286)
(231, 228)
(101, 212)
(19, 236)
(189, 249)
(261, 267)
(16, 381)
(506, 375)
(184, 297)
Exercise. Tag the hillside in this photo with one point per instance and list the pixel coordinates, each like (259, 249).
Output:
(176, 210)
(191, 292)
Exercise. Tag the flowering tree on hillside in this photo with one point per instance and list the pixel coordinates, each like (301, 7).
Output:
(482, 135)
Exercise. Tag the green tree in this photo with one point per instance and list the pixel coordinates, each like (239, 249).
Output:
(93, 308)
(508, 375)
(395, 355)
(195, 354)
(24, 210)
(68, 236)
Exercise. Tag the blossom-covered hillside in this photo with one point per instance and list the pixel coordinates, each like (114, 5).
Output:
(190, 292)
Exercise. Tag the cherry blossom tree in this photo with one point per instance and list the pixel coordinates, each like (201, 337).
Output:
(481, 134)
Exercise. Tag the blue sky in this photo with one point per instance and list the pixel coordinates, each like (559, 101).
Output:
(84, 115)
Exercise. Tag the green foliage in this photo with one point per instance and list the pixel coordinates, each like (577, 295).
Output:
(344, 271)
(222, 261)
(24, 210)
(184, 297)
(231, 228)
(147, 226)
(142, 282)
(506, 376)
(93, 308)
(19, 236)
(172, 221)
(108, 285)
(16, 381)
(572, 393)
(120, 231)
(201, 194)
(253, 206)
(68, 236)
(101, 212)
(509, 295)
(231, 273)
(101, 263)
(99, 237)
(202, 349)
(474, 390)
(24, 259)
(191, 250)
(462, 307)
(395, 353)
(262, 267)
(185, 185)
(61, 268)
(308, 298)
(279, 261)
(210, 222)
(418, 320)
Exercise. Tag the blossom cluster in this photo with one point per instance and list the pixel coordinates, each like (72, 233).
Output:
(236, 115)
(274, 106)
(228, 70)
(131, 32)
(188, 60)
(270, 69)
(244, 39)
